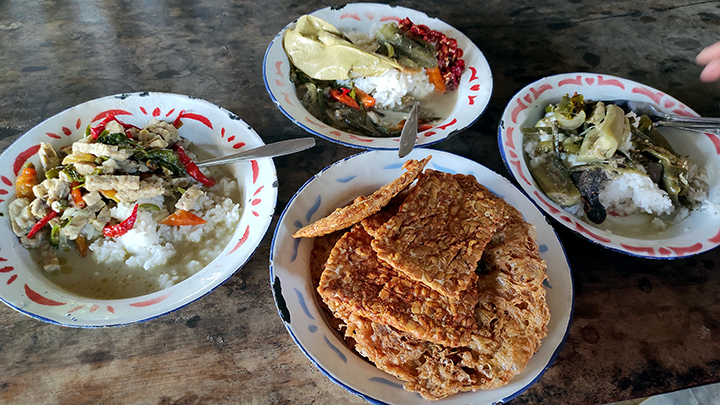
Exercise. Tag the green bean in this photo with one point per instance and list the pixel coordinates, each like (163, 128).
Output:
(404, 45)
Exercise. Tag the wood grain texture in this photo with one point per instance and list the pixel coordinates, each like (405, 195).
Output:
(640, 327)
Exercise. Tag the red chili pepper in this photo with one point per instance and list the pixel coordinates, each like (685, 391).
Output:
(448, 54)
(182, 218)
(192, 168)
(344, 98)
(115, 231)
(367, 100)
(97, 130)
(41, 223)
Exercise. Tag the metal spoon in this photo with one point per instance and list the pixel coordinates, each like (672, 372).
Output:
(409, 132)
(270, 150)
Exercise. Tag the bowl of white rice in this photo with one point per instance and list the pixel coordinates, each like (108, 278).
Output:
(641, 218)
(152, 268)
(456, 110)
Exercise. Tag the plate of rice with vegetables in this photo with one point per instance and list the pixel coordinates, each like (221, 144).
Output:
(607, 172)
(352, 74)
(111, 220)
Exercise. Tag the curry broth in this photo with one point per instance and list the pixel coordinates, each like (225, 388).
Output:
(86, 277)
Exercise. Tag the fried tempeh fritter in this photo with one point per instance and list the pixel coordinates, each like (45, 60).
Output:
(439, 233)
(377, 220)
(355, 281)
(405, 326)
(512, 294)
(362, 207)
(322, 246)
(512, 319)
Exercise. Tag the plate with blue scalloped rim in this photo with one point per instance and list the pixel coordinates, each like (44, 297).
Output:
(298, 303)
(469, 100)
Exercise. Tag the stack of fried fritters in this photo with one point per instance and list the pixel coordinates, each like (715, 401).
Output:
(403, 282)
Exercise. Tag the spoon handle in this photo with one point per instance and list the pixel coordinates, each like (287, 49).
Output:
(270, 150)
(409, 132)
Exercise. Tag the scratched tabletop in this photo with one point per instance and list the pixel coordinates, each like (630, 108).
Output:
(640, 327)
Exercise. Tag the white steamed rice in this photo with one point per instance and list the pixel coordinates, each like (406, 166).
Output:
(177, 251)
(634, 192)
(389, 88)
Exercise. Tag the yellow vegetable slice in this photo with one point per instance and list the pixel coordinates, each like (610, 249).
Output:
(324, 53)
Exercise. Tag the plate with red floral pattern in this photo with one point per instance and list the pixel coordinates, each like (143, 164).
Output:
(468, 101)
(213, 130)
(637, 234)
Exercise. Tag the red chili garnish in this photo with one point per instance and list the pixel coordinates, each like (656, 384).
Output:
(448, 54)
(41, 223)
(76, 194)
(115, 231)
(183, 218)
(192, 168)
(344, 98)
(97, 130)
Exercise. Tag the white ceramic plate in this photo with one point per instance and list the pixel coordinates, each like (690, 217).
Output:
(296, 298)
(212, 129)
(696, 234)
(473, 94)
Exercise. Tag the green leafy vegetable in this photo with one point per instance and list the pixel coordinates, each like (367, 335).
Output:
(118, 139)
(73, 174)
(165, 158)
(405, 45)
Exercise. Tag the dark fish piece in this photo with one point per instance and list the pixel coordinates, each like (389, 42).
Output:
(654, 170)
(589, 183)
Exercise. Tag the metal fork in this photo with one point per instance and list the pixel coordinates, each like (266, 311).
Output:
(661, 119)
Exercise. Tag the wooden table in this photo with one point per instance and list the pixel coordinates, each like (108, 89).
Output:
(640, 327)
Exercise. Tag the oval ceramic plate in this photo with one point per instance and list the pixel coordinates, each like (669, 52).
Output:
(473, 94)
(696, 234)
(296, 298)
(213, 130)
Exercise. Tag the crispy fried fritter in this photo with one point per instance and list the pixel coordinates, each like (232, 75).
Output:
(439, 233)
(469, 184)
(355, 281)
(513, 295)
(431, 370)
(377, 220)
(362, 207)
(322, 246)
(512, 319)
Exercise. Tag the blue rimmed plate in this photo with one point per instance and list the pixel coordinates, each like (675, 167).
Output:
(298, 306)
(470, 99)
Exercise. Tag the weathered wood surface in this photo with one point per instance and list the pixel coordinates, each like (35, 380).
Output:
(640, 327)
